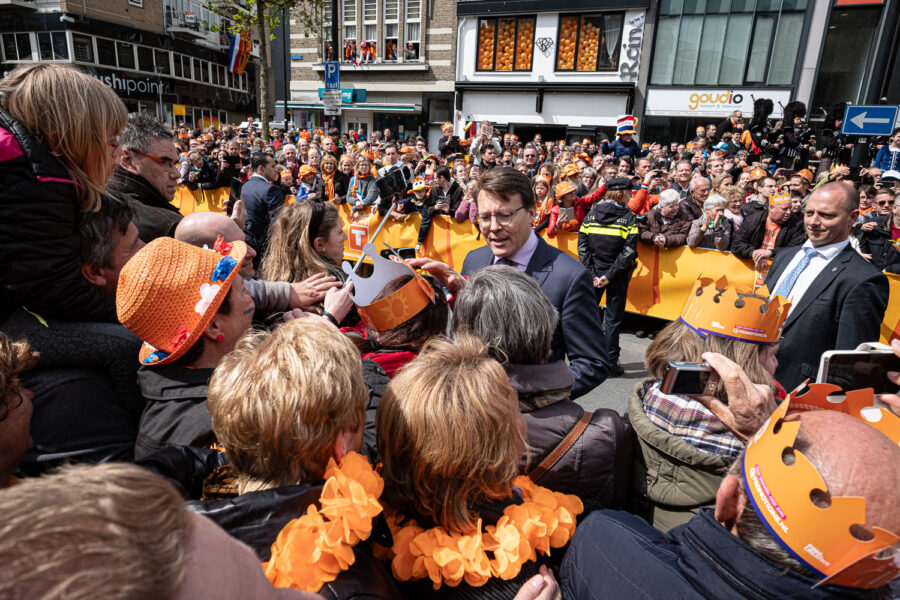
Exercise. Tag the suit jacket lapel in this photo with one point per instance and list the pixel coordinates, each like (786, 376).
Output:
(541, 263)
(824, 279)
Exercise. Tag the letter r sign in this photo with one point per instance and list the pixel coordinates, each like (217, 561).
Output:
(358, 236)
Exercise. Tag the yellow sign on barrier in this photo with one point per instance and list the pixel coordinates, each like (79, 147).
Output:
(659, 285)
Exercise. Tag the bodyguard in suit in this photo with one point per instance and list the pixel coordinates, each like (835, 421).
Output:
(838, 297)
(505, 212)
(262, 201)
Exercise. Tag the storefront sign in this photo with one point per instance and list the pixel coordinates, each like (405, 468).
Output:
(631, 46)
(348, 95)
(179, 110)
(711, 102)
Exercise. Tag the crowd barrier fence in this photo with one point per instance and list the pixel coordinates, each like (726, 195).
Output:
(659, 285)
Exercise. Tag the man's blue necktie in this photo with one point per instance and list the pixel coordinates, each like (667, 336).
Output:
(787, 284)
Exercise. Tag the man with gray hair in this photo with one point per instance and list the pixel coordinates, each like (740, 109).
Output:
(146, 175)
(698, 192)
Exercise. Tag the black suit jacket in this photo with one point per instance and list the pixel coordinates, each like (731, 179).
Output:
(842, 308)
(262, 201)
(568, 286)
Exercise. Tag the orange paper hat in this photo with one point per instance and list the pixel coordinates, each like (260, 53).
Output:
(781, 196)
(806, 175)
(718, 308)
(818, 537)
(397, 308)
(564, 187)
(169, 292)
(757, 173)
(569, 170)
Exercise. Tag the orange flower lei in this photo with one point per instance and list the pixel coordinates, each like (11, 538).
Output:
(546, 519)
(314, 549)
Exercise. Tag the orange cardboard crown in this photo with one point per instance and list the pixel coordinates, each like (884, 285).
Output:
(781, 196)
(397, 308)
(781, 494)
(718, 308)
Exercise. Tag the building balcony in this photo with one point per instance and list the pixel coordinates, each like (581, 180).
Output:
(29, 4)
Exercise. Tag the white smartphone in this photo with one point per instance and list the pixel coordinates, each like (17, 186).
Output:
(858, 369)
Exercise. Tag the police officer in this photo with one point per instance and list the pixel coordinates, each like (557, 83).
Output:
(607, 246)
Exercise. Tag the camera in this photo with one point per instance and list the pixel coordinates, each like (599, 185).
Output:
(689, 378)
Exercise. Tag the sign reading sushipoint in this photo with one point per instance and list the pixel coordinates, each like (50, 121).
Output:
(869, 119)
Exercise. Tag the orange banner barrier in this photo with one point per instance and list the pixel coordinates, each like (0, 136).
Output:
(659, 285)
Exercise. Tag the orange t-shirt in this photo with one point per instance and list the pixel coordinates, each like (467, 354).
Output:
(770, 236)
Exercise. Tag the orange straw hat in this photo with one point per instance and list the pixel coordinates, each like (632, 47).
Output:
(169, 292)
(306, 170)
(569, 170)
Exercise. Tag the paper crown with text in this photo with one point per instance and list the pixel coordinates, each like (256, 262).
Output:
(396, 308)
(820, 535)
(716, 307)
(781, 196)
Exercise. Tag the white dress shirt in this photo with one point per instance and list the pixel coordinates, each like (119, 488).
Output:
(816, 265)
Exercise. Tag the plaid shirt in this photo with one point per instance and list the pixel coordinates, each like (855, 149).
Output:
(691, 421)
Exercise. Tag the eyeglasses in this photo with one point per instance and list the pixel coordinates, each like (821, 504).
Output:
(503, 218)
(8, 407)
(166, 162)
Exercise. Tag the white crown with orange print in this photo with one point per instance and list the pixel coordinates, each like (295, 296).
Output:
(398, 307)
(721, 309)
(819, 535)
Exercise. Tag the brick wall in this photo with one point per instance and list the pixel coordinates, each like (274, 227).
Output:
(437, 48)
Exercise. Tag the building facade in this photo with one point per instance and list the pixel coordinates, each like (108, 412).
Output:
(712, 57)
(396, 70)
(161, 57)
(561, 68)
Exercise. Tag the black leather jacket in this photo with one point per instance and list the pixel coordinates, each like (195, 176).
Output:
(256, 518)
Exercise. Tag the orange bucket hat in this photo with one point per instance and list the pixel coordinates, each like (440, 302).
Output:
(169, 292)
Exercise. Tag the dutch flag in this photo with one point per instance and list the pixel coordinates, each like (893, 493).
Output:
(235, 49)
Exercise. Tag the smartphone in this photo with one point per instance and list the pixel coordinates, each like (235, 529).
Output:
(858, 369)
(233, 161)
(686, 378)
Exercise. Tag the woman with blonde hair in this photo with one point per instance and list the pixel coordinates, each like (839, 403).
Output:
(336, 182)
(59, 131)
(543, 201)
(307, 238)
(450, 437)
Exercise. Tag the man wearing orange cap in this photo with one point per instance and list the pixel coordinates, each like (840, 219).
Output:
(765, 187)
(802, 513)
(763, 234)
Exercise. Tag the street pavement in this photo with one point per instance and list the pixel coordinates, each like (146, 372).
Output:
(614, 392)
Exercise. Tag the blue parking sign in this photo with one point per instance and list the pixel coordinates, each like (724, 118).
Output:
(332, 75)
(869, 119)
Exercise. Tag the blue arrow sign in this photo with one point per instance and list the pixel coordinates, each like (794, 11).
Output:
(869, 119)
(332, 75)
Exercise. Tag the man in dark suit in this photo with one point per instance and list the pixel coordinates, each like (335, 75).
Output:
(262, 201)
(838, 298)
(506, 210)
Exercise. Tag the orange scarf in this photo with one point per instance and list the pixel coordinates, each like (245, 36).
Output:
(329, 184)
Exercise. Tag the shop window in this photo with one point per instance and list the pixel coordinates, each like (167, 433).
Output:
(391, 29)
(17, 46)
(125, 54)
(505, 44)
(83, 47)
(145, 59)
(53, 46)
(413, 30)
(727, 42)
(589, 42)
(162, 62)
(106, 52)
(850, 35)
